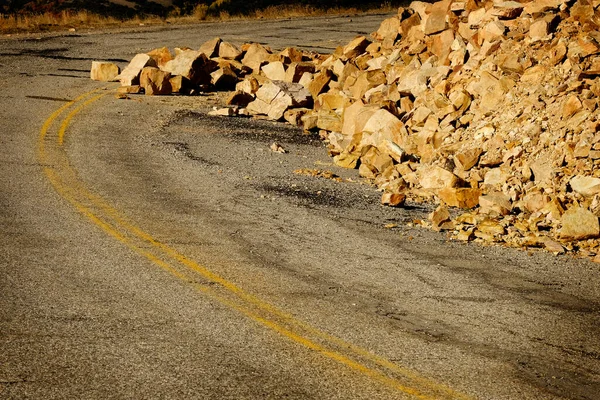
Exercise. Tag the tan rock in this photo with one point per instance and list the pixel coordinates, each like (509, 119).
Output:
(255, 57)
(436, 20)
(179, 84)
(274, 71)
(329, 120)
(356, 47)
(346, 160)
(495, 203)
(542, 6)
(279, 105)
(579, 223)
(389, 29)
(291, 55)
(155, 82)
(319, 83)
(222, 112)
(571, 107)
(440, 218)
(585, 185)
(224, 79)
(104, 71)
(553, 246)
(535, 202)
(507, 9)
(135, 89)
(296, 69)
(460, 197)
(294, 115)
(192, 65)
(468, 158)
(393, 199)
(211, 47)
(258, 107)
(268, 92)
(249, 85)
(161, 56)
(539, 29)
(131, 74)
(491, 227)
(434, 178)
(229, 51)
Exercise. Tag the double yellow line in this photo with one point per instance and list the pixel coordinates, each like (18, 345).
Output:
(64, 178)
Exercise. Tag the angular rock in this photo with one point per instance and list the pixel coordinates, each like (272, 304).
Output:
(249, 85)
(104, 71)
(579, 223)
(211, 47)
(436, 20)
(161, 56)
(131, 74)
(275, 71)
(586, 186)
(296, 69)
(393, 199)
(291, 55)
(495, 203)
(192, 65)
(224, 79)
(155, 82)
(319, 83)
(229, 51)
(356, 47)
(389, 29)
(434, 178)
(255, 57)
(460, 197)
(440, 219)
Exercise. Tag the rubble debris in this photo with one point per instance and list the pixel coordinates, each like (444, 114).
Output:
(487, 106)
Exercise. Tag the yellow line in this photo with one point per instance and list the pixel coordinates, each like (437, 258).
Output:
(67, 121)
(64, 190)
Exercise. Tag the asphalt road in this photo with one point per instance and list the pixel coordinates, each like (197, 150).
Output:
(149, 251)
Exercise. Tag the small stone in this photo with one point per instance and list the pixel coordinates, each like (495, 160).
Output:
(223, 112)
(439, 217)
(393, 199)
(277, 148)
(135, 89)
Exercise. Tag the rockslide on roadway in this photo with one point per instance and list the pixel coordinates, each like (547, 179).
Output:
(149, 251)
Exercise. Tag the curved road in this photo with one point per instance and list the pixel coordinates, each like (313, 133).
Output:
(149, 251)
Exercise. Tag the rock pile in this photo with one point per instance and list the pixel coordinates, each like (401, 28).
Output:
(488, 106)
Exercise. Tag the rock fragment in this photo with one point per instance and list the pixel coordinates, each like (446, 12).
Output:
(104, 71)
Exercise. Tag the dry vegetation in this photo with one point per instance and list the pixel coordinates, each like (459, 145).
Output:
(66, 20)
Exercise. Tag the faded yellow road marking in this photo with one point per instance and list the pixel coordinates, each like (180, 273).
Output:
(64, 179)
